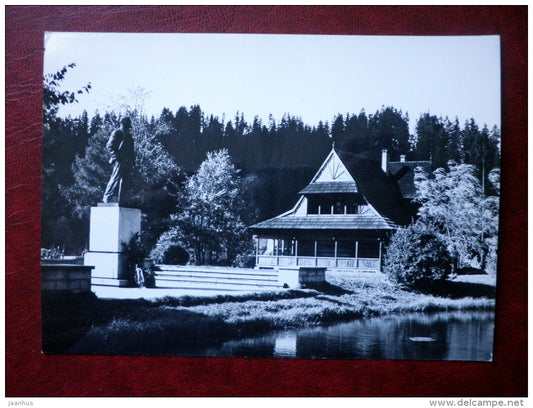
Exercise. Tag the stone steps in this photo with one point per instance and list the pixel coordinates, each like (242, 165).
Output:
(170, 276)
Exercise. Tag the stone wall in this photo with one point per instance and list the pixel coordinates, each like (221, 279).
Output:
(299, 276)
(312, 275)
(76, 260)
(66, 277)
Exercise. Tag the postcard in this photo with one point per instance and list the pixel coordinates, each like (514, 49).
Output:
(272, 196)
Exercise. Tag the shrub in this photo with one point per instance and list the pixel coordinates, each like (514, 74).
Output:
(52, 253)
(169, 251)
(416, 258)
(176, 255)
(135, 254)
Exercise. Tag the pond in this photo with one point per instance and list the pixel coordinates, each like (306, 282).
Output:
(464, 336)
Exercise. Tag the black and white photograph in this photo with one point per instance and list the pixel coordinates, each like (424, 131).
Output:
(270, 196)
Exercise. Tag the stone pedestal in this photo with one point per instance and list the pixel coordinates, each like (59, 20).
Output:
(110, 227)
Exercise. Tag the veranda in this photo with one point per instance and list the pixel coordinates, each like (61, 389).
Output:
(332, 253)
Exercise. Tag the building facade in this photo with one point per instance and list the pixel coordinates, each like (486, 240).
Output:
(343, 217)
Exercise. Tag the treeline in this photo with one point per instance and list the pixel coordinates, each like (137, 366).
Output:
(275, 159)
(189, 134)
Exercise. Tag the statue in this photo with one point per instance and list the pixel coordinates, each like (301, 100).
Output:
(120, 147)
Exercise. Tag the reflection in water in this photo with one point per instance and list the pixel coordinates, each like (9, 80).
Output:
(286, 345)
(438, 336)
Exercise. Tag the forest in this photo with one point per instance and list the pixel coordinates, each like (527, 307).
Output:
(273, 161)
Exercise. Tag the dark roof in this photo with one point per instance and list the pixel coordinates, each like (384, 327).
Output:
(405, 175)
(326, 222)
(380, 190)
(325, 187)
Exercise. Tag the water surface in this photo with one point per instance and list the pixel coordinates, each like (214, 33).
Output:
(465, 336)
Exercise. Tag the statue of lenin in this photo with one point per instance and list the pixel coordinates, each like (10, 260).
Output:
(122, 157)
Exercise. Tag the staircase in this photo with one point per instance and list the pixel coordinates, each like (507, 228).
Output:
(215, 278)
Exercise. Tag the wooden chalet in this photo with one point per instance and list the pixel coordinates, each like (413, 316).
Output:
(343, 216)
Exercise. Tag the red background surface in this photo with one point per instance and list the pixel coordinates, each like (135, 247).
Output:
(30, 373)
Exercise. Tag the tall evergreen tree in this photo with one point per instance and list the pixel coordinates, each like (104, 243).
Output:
(389, 129)
(432, 140)
(356, 139)
(454, 145)
(481, 150)
(337, 130)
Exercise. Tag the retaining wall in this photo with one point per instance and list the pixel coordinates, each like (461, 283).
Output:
(66, 277)
(296, 277)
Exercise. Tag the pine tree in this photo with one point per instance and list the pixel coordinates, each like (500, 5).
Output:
(337, 131)
(432, 140)
(454, 145)
(389, 129)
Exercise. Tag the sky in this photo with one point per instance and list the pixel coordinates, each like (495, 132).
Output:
(309, 76)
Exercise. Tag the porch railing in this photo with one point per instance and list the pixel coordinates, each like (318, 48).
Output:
(367, 264)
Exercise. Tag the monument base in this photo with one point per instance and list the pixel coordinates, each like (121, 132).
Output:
(112, 226)
(119, 283)
(109, 265)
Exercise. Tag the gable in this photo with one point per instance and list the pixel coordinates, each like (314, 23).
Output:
(333, 170)
(344, 173)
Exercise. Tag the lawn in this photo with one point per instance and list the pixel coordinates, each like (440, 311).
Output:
(95, 325)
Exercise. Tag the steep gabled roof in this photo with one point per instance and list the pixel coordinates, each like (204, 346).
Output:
(380, 190)
(404, 173)
(328, 222)
(366, 178)
(328, 187)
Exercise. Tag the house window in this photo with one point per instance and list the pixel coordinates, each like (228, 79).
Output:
(326, 248)
(368, 250)
(284, 247)
(351, 207)
(338, 204)
(306, 248)
(324, 208)
(263, 247)
(312, 206)
(346, 249)
(339, 208)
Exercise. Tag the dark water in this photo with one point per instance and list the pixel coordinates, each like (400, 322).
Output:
(466, 336)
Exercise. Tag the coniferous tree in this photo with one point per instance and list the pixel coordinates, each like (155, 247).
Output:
(337, 131)
(432, 140)
(470, 137)
(96, 124)
(481, 150)
(389, 129)
(454, 145)
(356, 139)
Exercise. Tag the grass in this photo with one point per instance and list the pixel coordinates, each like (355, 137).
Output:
(86, 324)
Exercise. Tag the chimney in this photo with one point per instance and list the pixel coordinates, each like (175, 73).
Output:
(384, 160)
(402, 158)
